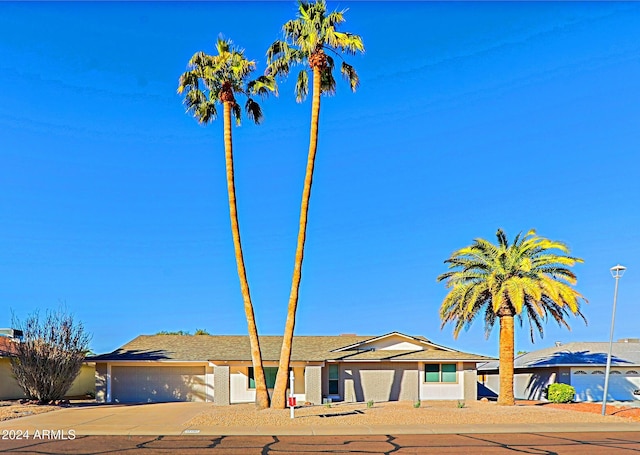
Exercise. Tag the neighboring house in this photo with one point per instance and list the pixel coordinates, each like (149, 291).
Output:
(10, 390)
(581, 365)
(349, 368)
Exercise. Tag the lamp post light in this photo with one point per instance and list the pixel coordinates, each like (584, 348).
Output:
(616, 272)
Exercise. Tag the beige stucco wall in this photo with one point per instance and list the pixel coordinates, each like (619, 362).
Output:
(241, 393)
(239, 385)
(527, 384)
(443, 391)
(470, 380)
(85, 383)
(101, 382)
(10, 390)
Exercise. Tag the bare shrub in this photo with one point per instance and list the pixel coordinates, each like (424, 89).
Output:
(50, 356)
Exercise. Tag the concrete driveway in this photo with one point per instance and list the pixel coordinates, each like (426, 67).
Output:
(109, 419)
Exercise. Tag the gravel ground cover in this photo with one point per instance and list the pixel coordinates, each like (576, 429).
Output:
(395, 413)
(627, 412)
(399, 413)
(14, 410)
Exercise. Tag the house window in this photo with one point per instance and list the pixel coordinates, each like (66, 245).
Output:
(333, 379)
(597, 372)
(632, 372)
(436, 372)
(615, 372)
(269, 376)
(580, 372)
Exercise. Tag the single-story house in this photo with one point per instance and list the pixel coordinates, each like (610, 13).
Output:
(153, 368)
(83, 385)
(579, 364)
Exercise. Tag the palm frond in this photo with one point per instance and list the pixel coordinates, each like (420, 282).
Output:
(349, 73)
(527, 279)
(253, 110)
(263, 86)
(205, 112)
(349, 43)
(236, 113)
(188, 81)
(327, 83)
(302, 86)
(277, 50)
(502, 239)
(312, 31)
(225, 75)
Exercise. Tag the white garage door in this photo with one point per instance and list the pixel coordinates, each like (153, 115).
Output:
(589, 383)
(151, 384)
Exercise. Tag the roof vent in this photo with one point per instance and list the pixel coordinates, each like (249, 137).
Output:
(629, 340)
(558, 343)
(348, 335)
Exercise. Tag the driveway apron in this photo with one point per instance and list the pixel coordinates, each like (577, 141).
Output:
(134, 419)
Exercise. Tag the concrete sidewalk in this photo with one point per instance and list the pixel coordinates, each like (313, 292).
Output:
(344, 430)
(170, 419)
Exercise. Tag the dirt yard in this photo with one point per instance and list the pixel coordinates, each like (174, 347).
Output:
(404, 413)
(627, 412)
(445, 412)
(14, 410)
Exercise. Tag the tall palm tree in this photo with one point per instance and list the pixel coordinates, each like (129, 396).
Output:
(527, 278)
(307, 39)
(213, 79)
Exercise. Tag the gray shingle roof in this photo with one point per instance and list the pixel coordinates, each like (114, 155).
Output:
(237, 348)
(576, 354)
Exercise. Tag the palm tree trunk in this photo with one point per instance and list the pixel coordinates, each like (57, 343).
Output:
(262, 395)
(280, 389)
(505, 397)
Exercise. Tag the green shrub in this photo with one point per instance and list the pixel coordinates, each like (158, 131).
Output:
(417, 404)
(560, 393)
(370, 403)
(461, 404)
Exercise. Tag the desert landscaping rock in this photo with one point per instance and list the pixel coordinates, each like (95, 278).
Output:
(14, 410)
(394, 413)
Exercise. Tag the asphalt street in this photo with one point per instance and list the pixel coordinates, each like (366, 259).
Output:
(490, 444)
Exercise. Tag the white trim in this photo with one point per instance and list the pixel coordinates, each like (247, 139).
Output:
(371, 340)
(136, 361)
(405, 360)
(108, 400)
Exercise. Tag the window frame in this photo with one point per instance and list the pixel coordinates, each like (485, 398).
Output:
(437, 368)
(273, 372)
(334, 381)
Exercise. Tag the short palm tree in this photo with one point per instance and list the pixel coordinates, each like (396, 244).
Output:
(528, 278)
(213, 79)
(308, 40)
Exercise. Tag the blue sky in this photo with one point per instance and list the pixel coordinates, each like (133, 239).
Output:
(470, 117)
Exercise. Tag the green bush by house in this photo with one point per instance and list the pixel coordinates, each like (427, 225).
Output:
(560, 393)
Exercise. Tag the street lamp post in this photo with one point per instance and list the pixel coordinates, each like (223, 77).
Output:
(616, 272)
